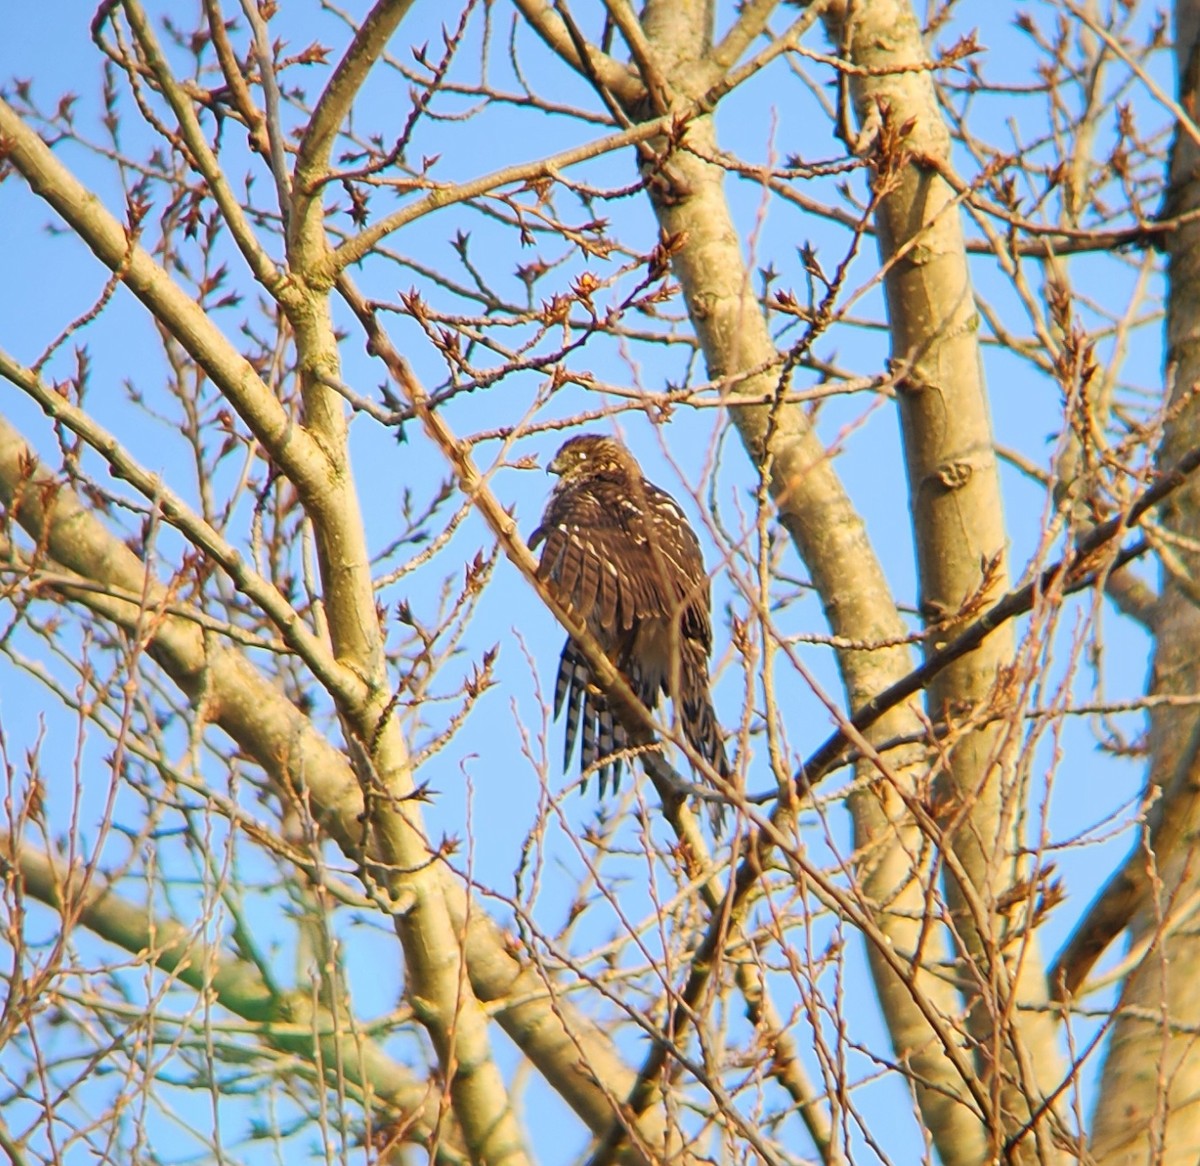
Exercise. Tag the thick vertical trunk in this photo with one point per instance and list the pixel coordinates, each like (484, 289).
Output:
(1149, 1105)
(960, 541)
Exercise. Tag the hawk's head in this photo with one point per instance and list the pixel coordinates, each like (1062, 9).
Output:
(591, 455)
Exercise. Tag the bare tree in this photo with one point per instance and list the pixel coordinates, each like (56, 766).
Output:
(287, 844)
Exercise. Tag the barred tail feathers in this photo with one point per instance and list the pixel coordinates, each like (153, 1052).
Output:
(590, 721)
(602, 735)
(570, 687)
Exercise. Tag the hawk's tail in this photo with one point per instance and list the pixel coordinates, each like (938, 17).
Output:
(590, 720)
(603, 734)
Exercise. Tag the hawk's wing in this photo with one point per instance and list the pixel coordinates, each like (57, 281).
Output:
(618, 556)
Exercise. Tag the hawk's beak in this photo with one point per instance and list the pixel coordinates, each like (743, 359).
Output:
(555, 467)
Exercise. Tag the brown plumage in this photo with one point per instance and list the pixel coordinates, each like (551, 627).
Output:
(620, 553)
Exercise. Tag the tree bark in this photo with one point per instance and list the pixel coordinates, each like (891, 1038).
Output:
(1148, 1107)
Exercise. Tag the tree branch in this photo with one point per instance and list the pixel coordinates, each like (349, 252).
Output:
(346, 688)
(288, 1022)
(272, 121)
(752, 20)
(358, 246)
(656, 85)
(616, 78)
(287, 443)
(259, 261)
(1074, 571)
(306, 230)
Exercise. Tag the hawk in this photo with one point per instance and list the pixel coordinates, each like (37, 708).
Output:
(619, 552)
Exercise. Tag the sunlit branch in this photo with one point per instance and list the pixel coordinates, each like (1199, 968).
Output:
(361, 244)
(277, 155)
(615, 77)
(281, 435)
(312, 157)
(346, 687)
(751, 22)
(1072, 573)
(259, 261)
(231, 69)
(656, 85)
(287, 1022)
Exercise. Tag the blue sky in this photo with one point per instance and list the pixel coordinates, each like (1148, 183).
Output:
(51, 280)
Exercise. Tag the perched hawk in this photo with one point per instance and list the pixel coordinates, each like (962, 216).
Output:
(620, 553)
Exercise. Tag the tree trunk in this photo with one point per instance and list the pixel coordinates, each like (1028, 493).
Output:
(1149, 1103)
